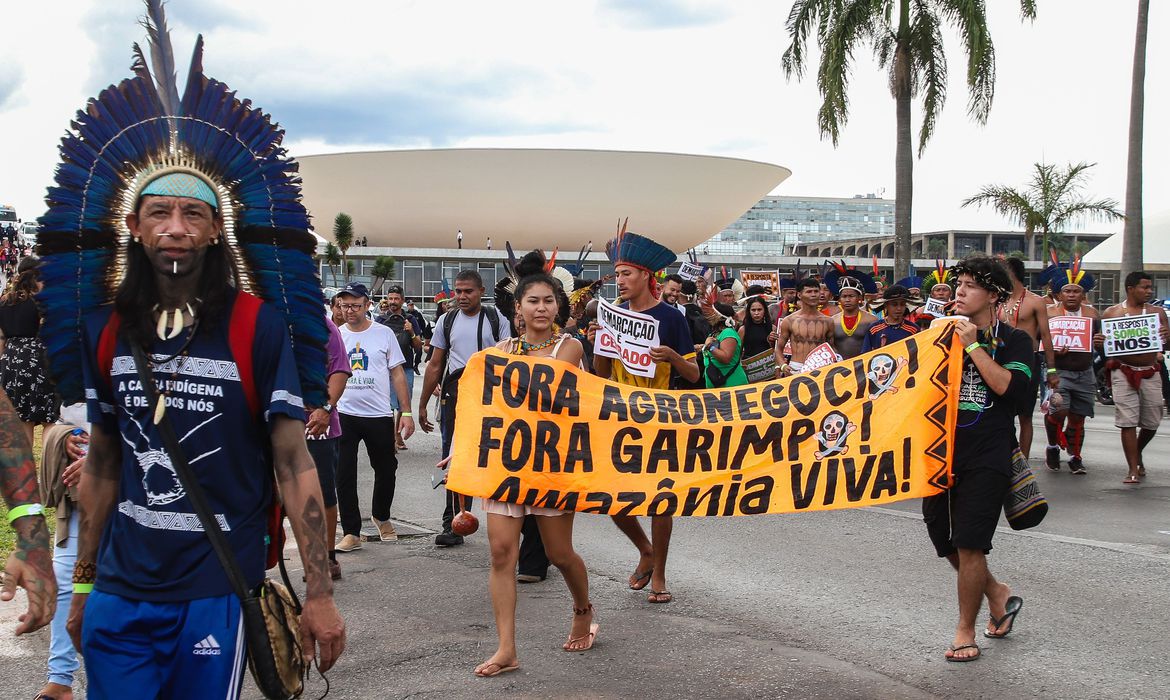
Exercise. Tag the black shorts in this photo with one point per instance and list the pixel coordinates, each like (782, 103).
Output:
(324, 453)
(966, 515)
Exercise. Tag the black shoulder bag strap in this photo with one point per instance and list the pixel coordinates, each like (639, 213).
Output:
(195, 492)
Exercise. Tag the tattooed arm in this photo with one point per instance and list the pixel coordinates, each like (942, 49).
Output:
(300, 492)
(31, 565)
(96, 495)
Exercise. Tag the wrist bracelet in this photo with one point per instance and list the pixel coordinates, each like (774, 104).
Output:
(972, 347)
(406, 414)
(84, 572)
(25, 510)
(1051, 370)
(83, 588)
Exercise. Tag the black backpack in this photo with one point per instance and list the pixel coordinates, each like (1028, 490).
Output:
(450, 380)
(397, 324)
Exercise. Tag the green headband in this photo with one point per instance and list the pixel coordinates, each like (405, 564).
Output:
(182, 185)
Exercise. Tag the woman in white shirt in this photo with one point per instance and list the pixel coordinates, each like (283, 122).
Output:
(537, 302)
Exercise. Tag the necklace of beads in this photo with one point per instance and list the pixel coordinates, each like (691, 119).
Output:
(846, 329)
(527, 347)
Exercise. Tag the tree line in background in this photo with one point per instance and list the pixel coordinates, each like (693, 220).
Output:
(906, 38)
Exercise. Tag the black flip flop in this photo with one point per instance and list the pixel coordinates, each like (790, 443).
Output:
(964, 659)
(641, 580)
(1011, 609)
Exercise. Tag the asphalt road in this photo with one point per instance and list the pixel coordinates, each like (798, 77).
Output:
(847, 604)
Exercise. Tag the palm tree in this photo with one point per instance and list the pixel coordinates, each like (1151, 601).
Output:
(332, 258)
(1132, 238)
(906, 38)
(383, 270)
(343, 234)
(1049, 203)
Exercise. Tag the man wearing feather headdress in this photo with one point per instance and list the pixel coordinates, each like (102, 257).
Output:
(1078, 380)
(165, 210)
(852, 323)
(635, 260)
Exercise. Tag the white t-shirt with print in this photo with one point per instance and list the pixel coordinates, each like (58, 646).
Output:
(372, 353)
(462, 345)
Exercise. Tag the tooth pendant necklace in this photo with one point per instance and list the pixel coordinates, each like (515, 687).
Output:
(176, 325)
(178, 358)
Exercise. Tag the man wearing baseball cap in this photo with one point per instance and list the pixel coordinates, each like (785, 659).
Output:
(368, 416)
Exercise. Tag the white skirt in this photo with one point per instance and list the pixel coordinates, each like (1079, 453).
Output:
(517, 511)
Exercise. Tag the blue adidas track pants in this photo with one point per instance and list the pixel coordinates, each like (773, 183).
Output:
(139, 649)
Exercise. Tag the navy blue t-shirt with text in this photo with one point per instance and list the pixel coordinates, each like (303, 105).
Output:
(154, 547)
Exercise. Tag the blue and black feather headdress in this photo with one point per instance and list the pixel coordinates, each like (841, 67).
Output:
(842, 276)
(128, 136)
(629, 248)
(914, 281)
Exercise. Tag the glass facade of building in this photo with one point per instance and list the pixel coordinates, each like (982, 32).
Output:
(776, 224)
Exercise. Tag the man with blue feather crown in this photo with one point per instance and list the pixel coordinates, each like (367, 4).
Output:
(182, 304)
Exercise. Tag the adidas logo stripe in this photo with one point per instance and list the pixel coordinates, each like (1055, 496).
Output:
(208, 646)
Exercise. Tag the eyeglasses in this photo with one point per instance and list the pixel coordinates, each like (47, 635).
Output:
(352, 307)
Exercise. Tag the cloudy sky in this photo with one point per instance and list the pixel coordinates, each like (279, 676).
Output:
(689, 76)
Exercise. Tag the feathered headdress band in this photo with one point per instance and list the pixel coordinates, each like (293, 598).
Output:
(984, 279)
(629, 248)
(941, 275)
(842, 277)
(1059, 274)
(126, 138)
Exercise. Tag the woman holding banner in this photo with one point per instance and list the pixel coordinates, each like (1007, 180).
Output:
(537, 303)
(756, 331)
(723, 352)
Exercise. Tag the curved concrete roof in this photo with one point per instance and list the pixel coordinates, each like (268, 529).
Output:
(1155, 233)
(531, 197)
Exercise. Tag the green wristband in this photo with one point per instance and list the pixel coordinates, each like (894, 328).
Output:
(1051, 370)
(972, 347)
(83, 588)
(26, 509)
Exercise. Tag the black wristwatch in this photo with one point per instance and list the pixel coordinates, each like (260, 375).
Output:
(327, 407)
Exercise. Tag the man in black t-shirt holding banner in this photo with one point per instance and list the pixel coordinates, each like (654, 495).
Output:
(961, 521)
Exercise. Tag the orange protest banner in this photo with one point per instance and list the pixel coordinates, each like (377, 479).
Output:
(870, 430)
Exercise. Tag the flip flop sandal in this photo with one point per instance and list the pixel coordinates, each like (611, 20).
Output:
(591, 636)
(499, 669)
(655, 597)
(1131, 480)
(1011, 609)
(963, 659)
(641, 580)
